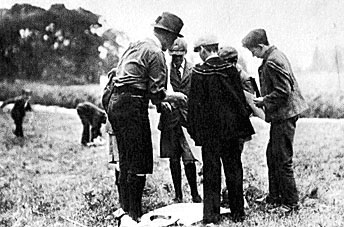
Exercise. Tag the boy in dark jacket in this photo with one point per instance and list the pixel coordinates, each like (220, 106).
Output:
(91, 117)
(21, 105)
(218, 121)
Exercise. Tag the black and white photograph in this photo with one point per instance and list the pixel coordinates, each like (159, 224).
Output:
(159, 113)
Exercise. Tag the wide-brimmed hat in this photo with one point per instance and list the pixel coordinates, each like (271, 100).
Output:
(169, 22)
(207, 40)
(179, 47)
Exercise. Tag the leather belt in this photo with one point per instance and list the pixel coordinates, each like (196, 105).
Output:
(130, 90)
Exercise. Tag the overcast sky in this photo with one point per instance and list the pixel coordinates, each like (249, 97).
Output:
(294, 26)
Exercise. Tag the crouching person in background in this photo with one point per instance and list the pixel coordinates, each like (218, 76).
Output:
(21, 105)
(92, 118)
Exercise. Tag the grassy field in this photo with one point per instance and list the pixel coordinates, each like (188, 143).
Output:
(48, 179)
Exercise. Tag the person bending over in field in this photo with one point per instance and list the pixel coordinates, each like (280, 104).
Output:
(92, 117)
(21, 105)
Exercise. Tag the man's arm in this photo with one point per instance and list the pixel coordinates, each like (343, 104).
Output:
(157, 82)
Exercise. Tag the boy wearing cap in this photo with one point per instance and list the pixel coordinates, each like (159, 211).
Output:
(230, 55)
(173, 144)
(218, 121)
(140, 76)
(283, 103)
(21, 105)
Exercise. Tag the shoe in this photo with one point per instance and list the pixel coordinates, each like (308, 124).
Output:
(197, 199)
(238, 217)
(285, 209)
(177, 200)
(211, 221)
(276, 201)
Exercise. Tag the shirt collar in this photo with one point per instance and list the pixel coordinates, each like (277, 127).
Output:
(155, 40)
(211, 56)
(268, 52)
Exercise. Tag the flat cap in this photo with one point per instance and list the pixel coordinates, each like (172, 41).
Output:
(228, 53)
(207, 40)
(179, 47)
(254, 38)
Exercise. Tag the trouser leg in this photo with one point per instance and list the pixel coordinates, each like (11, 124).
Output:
(231, 158)
(211, 182)
(176, 174)
(136, 186)
(282, 137)
(273, 174)
(19, 128)
(85, 138)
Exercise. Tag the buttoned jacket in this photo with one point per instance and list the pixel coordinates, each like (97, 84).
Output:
(282, 95)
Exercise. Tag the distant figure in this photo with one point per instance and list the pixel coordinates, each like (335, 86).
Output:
(92, 118)
(21, 105)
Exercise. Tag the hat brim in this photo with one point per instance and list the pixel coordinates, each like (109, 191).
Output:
(166, 29)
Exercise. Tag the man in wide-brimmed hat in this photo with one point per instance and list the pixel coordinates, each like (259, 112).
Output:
(283, 103)
(218, 120)
(141, 76)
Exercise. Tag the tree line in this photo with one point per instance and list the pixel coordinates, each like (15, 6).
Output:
(56, 45)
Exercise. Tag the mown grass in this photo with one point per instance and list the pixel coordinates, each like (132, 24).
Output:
(47, 178)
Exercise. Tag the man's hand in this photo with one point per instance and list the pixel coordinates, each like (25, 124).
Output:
(259, 102)
(166, 107)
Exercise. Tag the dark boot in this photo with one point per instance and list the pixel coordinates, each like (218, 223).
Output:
(190, 172)
(177, 179)
(136, 185)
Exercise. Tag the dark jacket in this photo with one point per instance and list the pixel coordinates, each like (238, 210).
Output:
(282, 96)
(91, 114)
(179, 115)
(172, 137)
(217, 106)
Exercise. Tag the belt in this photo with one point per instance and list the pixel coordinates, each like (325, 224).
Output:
(130, 90)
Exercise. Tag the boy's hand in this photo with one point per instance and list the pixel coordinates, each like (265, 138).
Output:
(259, 102)
(166, 107)
(177, 97)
